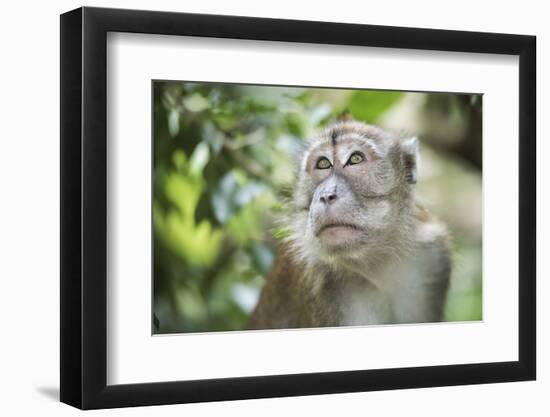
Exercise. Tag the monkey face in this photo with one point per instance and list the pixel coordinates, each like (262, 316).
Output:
(353, 185)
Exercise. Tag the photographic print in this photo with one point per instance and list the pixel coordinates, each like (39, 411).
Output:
(305, 203)
(279, 207)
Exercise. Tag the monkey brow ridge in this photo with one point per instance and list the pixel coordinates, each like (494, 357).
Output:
(365, 140)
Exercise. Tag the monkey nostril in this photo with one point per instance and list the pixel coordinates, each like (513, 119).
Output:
(328, 198)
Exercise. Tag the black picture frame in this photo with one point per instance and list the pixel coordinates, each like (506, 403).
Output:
(84, 207)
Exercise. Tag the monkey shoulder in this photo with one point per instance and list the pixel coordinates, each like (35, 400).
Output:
(428, 230)
(431, 241)
(425, 273)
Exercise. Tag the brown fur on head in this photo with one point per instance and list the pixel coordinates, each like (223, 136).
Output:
(354, 195)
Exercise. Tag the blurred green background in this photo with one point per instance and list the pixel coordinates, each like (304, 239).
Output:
(224, 157)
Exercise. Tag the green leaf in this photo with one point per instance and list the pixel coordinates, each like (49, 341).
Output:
(180, 160)
(199, 159)
(173, 122)
(196, 103)
(368, 106)
(263, 257)
(213, 136)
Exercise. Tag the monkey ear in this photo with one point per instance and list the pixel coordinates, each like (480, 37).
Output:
(409, 149)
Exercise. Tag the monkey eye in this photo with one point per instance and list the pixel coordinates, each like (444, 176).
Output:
(355, 158)
(323, 163)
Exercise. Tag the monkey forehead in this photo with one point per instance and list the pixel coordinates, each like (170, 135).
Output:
(345, 144)
(353, 132)
(350, 133)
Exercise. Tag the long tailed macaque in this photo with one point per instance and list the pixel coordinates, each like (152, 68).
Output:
(361, 249)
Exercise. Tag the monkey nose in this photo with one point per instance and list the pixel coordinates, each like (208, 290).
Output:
(328, 198)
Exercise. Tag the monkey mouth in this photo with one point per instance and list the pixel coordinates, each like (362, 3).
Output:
(339, 228)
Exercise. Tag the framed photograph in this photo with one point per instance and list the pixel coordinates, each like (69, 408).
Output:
(256, 208)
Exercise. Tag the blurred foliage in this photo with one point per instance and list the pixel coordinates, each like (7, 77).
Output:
(224, 158)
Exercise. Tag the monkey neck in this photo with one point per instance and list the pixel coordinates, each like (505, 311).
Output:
(366, 267)
(352, 300)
